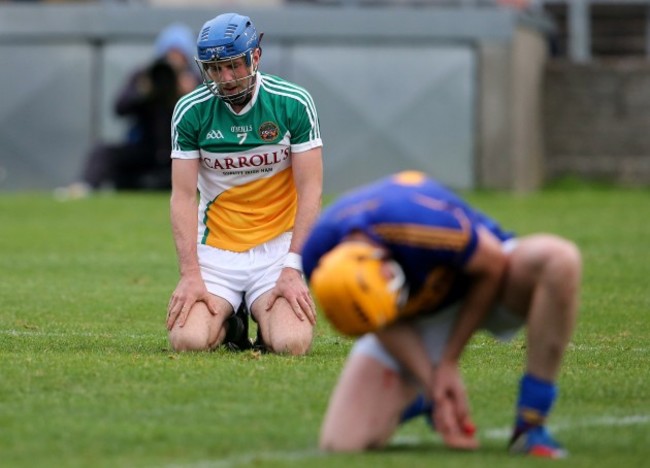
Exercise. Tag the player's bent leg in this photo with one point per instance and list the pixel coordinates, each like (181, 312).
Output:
(365, 407)
(202, 330)
(282, 331)
(542, 284)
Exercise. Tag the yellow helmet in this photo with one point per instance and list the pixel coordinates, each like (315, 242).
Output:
(355, 294)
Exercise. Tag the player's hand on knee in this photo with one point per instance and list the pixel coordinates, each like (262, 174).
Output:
(211, 303)
(307, 306)
(190, 289)
(292, 287)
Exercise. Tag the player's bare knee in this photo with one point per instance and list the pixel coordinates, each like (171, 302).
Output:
(572, 258)
(334, 447)
(294, 345)
(328, 445)
(552, 258)
(339, 444)
(182, 339)
(294, 340)
(564, 264)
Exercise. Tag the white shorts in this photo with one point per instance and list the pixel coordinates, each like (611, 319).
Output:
(435, 330)
(230, 274)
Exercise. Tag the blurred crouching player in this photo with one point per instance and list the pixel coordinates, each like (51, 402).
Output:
(414, 271)
(250, 142)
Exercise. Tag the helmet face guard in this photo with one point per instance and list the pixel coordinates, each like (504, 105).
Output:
(245, 83)
(358, 288)
(222, 42)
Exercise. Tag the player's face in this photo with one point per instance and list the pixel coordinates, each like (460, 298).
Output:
(232, 75)
(391, 271)
(394, 275)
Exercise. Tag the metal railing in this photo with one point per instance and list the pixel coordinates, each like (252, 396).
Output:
(579, 16)
(579, 24)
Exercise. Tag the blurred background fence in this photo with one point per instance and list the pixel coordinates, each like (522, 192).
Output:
(483, 94)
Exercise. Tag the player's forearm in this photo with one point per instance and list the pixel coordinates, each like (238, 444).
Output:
(184, 226)
(308, 178)
(477, 304)
(403, 342)
(486, 267)
(308, 209)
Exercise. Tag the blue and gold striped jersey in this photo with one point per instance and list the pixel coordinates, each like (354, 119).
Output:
(429, 230)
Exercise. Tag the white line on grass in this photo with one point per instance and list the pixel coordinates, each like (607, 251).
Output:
(239, 460)
(491, 433)
(35, 333)
(572, 347)
(326, 339)
(604, 421)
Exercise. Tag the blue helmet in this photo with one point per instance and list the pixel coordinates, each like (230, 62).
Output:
(228, 37)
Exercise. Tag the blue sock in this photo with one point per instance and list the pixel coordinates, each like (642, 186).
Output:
(536, 397)
(419, 406)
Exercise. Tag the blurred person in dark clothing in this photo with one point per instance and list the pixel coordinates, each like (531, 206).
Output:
(147, 98)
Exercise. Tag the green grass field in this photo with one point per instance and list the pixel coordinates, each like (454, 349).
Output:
(87, 377)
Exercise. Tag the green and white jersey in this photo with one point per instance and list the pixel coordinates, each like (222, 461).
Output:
(247, 194)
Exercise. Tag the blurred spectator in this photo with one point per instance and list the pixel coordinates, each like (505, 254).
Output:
(521, 4)
(142, 161)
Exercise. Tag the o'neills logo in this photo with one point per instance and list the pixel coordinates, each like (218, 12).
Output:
(268, 131)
